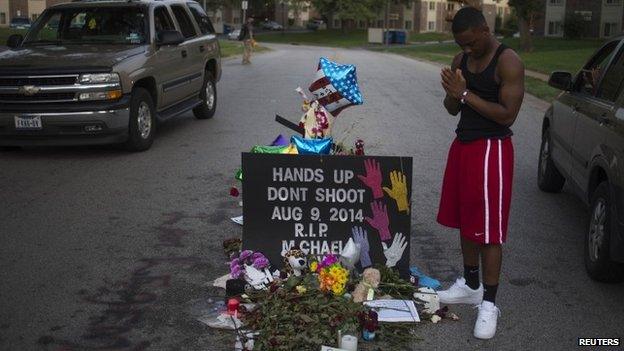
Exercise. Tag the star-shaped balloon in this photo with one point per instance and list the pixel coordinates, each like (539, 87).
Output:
(335, 86)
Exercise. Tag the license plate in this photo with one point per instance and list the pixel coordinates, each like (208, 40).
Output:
(28, 122)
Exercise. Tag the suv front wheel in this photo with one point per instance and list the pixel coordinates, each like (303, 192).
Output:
(208, 96)
(597, 240)
(142, 124)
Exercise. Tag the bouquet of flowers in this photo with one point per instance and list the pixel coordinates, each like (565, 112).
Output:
(332, 276)
(247, 258)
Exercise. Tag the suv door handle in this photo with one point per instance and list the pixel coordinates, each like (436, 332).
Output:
(603, 119)
(202, 48)
(183, 53)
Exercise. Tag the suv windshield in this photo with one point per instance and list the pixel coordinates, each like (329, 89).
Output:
(106, 25)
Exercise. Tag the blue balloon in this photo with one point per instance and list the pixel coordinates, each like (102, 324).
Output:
(312, 146)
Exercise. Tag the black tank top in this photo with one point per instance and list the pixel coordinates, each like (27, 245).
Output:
(472, 125)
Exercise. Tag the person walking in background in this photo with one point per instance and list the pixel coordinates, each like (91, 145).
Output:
(486, 84)
(246, 36)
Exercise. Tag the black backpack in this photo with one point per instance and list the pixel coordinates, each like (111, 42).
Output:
(243, 33)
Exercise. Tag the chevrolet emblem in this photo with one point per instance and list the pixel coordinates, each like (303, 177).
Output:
(29, 90)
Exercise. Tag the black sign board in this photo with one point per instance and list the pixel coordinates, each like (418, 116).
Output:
(313, 203)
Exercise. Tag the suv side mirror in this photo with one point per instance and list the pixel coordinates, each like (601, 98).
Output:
(14, 41)
(560, 80)
(169, 37)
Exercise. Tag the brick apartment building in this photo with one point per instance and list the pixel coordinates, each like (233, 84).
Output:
(603, 18)
(23, 8)
(430, 16)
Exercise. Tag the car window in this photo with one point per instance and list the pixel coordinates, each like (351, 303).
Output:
(162, 19)
(92, 25)
(186, 26)
(589, 78)
(205, 26)
(612, 82)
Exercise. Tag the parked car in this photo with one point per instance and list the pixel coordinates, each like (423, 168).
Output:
(234, 34)
(315, 25)
(583, 145)
(272, 25)
(19, 23)
(107, 73)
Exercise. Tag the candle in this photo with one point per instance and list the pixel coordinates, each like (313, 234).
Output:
(232, 307)
(349, 343)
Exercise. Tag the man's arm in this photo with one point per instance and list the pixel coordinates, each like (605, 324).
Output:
(452, 105)
(511, 73)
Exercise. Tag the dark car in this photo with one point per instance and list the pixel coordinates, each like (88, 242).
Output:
(583, 145)
(19, 23)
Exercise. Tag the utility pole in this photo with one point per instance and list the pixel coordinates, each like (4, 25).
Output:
(244, 5)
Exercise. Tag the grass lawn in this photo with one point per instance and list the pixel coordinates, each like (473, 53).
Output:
(232, 48)
(548, 55)
(539, 88)
(339, 38)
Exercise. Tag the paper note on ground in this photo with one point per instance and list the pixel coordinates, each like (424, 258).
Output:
(237, 220)
(395, 310)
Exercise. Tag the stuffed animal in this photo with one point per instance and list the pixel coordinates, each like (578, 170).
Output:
(370, 280)
(295, 262)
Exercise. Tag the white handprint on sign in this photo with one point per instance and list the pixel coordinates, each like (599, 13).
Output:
(256, 278)
(395, 251)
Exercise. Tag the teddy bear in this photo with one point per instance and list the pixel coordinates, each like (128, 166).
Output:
(370, 280)
(295, 262)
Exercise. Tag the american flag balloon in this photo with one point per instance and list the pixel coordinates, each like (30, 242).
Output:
(335, 86)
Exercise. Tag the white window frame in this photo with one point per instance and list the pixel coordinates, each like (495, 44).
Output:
(429, 26)
(432, 4)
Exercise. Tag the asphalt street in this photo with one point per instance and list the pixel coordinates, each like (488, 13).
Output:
(103, 249)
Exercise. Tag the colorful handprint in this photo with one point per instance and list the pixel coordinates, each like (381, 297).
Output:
(380, 220)
(372, 179)
(399, 190)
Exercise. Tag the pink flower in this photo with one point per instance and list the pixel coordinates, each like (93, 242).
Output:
(328, 260)
(236, 272)
(257, 255)
(261, 263)
(235, 263)
(245, 255)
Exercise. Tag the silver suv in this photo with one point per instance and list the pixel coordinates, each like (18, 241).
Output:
(99, 72)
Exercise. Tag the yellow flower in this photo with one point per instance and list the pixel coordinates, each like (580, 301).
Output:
(301, 289)
(337, 289)
(314, 266)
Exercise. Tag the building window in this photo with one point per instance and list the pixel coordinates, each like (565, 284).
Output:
(450, 6)
(336, 23)
(380, 24)
(610, 29)
(554, 28)
(34, 16)
(555, 2)
(408, 5)
(2, 18)
(408, 25)
(612, 2)
(361, 24)
(431, 25)
(587, 15)
(431, 5)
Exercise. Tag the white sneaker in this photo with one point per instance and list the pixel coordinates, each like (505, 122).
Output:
(461, 293)
(485, 326)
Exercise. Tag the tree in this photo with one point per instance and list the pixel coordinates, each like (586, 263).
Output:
(527, 11)
(297, 6)
(573, 26)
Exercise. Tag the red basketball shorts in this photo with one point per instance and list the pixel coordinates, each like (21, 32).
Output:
(476, 193)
